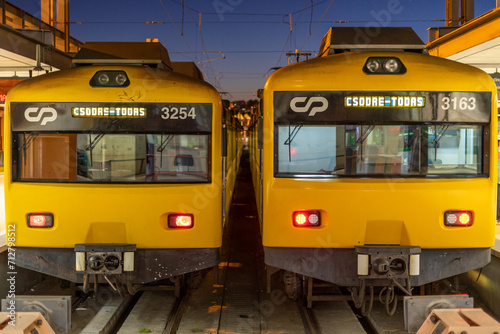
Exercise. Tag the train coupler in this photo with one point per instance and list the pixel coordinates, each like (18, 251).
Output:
(109, 261)
(387, 267)
(388, 262)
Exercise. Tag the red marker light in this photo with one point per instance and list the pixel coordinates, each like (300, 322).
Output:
(300, 219)
(43, 220)
(458, 218)
(180, 220)
(464, 219)
(306, 218)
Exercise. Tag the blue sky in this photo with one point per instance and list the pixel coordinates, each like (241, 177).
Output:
(253, 35)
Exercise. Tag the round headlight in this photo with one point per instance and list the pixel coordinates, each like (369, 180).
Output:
(391, 65)
(103, 79)
(120, 79)
(372, 65)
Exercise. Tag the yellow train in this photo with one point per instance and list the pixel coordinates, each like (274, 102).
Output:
(376, 165)
(117, 168)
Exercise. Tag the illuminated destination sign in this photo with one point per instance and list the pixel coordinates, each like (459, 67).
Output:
(109, 112)
(385, 101)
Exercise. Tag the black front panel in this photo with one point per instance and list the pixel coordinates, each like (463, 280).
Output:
(323, 107)
(112, 117)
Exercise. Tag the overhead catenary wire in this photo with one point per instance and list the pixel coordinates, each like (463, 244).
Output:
(245, 14)
(252, 22)
(290, 36)
(216, 78)
(295, 24)
(175, 25)
(321, 19)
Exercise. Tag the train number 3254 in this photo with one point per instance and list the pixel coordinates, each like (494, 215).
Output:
(462, 103)
(178, 113)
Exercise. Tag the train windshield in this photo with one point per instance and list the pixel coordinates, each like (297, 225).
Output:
(111, 158)
(380, 150)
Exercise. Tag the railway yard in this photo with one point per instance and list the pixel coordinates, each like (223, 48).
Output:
(229, 299)
(357, 194)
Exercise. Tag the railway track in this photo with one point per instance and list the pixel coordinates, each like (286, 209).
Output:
(153, 311)
(161, 312)
(231, 298)
(209, 311)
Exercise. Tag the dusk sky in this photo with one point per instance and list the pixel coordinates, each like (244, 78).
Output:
(253, 35)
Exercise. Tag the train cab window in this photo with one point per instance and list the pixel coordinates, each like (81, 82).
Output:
(379, 150)
(110, 158)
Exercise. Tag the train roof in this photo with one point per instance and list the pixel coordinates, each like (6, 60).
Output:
(123, 53)
(348, 39)
(187, 68)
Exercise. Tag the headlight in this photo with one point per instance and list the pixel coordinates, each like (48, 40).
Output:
(372, 65)
(391, 65)
(110, 79)
(384, 65)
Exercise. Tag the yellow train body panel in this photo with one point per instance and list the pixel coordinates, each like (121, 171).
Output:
(117, 214)
(377, 212)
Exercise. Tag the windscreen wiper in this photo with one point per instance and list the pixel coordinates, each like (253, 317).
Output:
(437, 138)
(93, 143)
(365, 135)
(440, 135)
(164, 143)
(291, 137)
(163, 146)
(27, 143)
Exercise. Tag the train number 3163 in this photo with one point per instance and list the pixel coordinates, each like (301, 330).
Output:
(178, 113)
(462, 103)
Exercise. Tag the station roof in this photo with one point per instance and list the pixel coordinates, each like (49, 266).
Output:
(475, 43)
(18, 54)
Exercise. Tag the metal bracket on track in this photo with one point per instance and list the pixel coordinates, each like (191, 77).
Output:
(24, 322)
(417, 308)
(55, 309)
(470, 321)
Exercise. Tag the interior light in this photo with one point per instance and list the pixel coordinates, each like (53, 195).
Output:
(40, 220)
(180, 220)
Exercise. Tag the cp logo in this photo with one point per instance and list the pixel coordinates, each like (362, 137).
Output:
(35, 114)
(307, 108)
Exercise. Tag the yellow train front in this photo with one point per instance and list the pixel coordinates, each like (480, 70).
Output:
(378, 167)
(115, 168)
